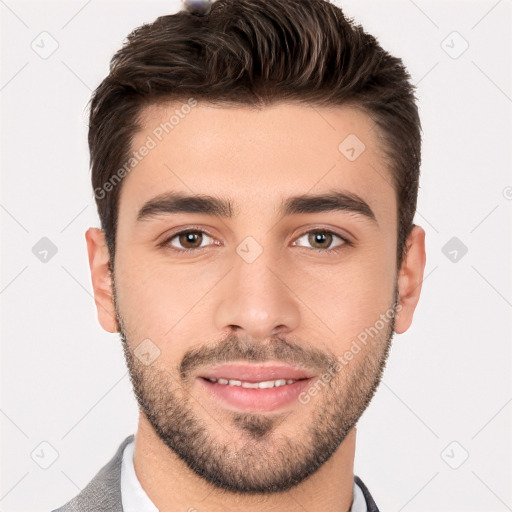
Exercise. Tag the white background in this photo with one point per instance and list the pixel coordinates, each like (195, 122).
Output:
(448, 379)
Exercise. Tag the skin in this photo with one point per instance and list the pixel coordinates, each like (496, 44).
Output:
(213, 299)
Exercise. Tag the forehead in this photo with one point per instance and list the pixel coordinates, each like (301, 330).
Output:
(256, 155)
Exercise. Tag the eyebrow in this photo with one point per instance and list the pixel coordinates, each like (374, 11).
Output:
(177, 202)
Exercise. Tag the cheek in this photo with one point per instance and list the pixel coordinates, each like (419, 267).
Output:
(142, 299)
(348, 297)
(160, 300)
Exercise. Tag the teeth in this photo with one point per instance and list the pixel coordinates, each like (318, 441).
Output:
(250, 385)
(255, 385)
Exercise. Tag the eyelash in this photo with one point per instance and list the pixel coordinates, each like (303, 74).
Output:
(345, 241)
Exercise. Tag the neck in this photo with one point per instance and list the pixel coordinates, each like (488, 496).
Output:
(173, 487)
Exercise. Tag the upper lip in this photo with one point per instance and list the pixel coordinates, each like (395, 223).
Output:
(256, 373)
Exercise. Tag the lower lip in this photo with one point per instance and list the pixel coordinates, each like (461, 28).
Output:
(250, 399)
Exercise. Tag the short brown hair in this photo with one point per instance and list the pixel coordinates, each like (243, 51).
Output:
(255, 52)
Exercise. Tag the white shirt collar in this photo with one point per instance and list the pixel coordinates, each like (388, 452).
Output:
(133, 496)
(135, 499)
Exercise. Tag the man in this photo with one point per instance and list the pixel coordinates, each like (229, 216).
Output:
(255, 166)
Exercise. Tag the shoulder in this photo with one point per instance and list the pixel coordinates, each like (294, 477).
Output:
(103, 492)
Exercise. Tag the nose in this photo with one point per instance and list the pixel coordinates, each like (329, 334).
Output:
(256, 299)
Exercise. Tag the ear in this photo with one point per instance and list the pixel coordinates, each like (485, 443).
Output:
(97, 251)
(410, 279)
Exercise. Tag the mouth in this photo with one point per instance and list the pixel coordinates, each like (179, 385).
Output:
(255, 388)
(266, 384)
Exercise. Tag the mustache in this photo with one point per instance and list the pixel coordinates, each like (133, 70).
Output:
(233, 349)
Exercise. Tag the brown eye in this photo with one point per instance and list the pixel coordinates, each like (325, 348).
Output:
(191, 239)
(187, 240)
(322, 240)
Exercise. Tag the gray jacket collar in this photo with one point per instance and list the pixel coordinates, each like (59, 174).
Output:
(103, 492)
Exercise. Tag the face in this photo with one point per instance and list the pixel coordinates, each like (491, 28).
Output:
(278, 277)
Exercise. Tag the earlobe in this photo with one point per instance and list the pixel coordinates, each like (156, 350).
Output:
(98, 254)
(410, 279)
